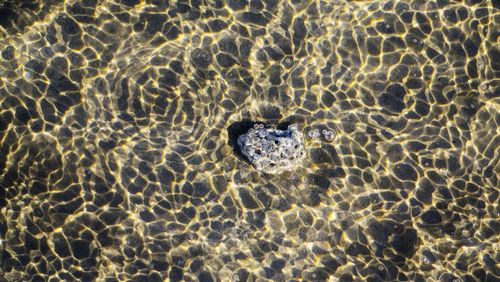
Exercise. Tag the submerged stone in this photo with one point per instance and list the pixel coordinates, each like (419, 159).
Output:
(272, 150)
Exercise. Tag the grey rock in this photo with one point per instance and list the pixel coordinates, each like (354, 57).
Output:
(272, 150)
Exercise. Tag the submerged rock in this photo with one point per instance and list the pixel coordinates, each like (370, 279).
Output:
(272, 150)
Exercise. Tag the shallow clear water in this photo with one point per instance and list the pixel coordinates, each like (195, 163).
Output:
(117, 127)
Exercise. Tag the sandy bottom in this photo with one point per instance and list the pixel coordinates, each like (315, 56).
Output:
(117, 117)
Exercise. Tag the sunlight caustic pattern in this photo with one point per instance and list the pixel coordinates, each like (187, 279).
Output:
(114, 156)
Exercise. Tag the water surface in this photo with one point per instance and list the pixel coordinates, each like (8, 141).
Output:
(115, 156)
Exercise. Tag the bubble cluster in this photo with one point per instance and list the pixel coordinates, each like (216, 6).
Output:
(315, 134)
(328, 134)
(272, 150)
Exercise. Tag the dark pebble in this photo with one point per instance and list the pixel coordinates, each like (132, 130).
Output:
(70, 207)
(254, 18)
(448, 277)
(355, 249)
(396, 43)
(243, 274)
(278, 264)
(405, 172)
(481, 13)
(220, 183)
(416, 146)
(109, 217)
(472, 44)
(61, 245)
(269, 272)
(373, 46)
(435, 176)
(319, 274)
(319, 155)
(171, 31)
(200, 189)
(422, 108)
(147, 216)
(431, 217)
(328, 99)
(217, 25)
(154, 22)
(81, 249)
(320, 181)
(423, 23)
(228, 45)
(450, 15)
(8, 53)
(225, 60)
(480, 274)
(454, 34)
(176, 274)
(35, 65)
(399, 73)
(30, 242)
(165, 176)
(22, 114)
(195, 265)
(385, 27)
(37, 278)
(330, 263)
(107, 145)
(237, 4)
(407, 17)
(65, 276)
(60, 81)
(130, 3)
(299, 31)
(68, 25)
(414, 83)
(38, 188)
(247, 200)
(168, 78)
(392, 99)
(60, 64)
(205, 276)
(405, 243)
(424, 193)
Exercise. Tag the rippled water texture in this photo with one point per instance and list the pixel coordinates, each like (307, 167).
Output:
(116, 160)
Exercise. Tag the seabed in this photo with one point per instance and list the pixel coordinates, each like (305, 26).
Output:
(117, 125)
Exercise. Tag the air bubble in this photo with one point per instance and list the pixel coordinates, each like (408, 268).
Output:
(311, 134)
(329, 135)
(314, 134)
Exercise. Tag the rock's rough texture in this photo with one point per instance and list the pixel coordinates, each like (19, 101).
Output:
(272, 150)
